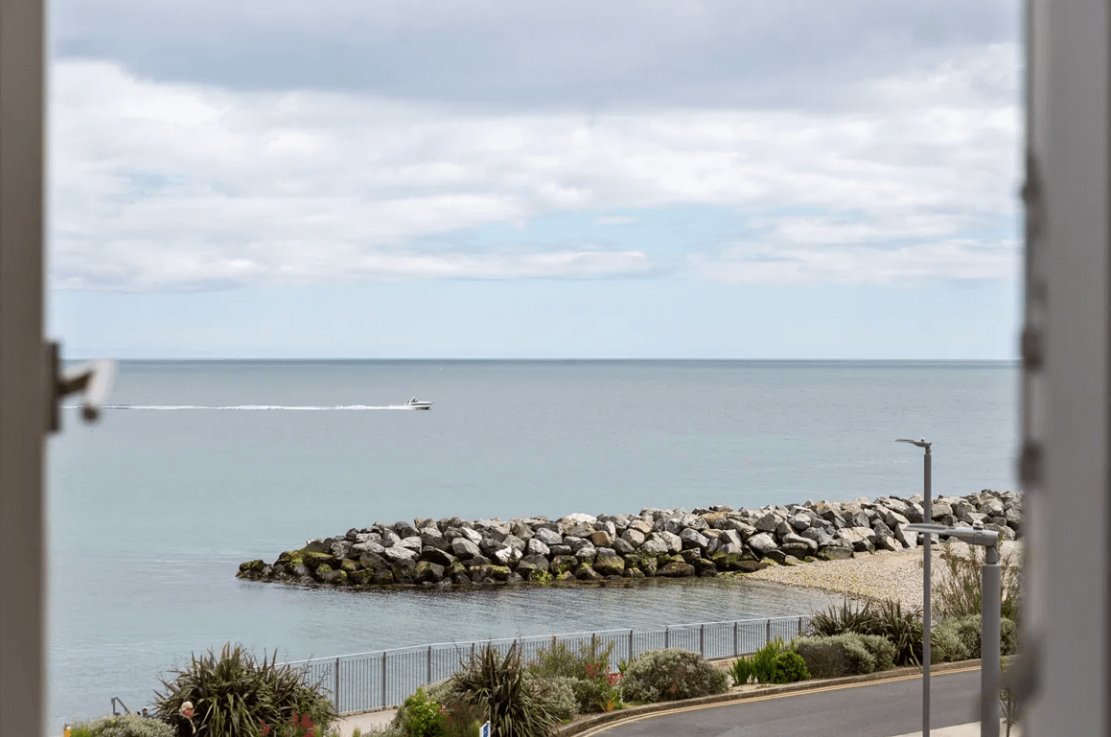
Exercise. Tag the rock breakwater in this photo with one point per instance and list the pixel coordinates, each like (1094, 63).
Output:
(671, 543)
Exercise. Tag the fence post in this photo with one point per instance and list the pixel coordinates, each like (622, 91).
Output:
(631, 653)
(702, 640)
(736, 645)
(667, 637)
(384, 702)
(336, 692)
(768, 633)
(800, 627)
(428, 679)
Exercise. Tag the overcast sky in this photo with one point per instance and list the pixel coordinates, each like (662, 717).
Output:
(626, 179)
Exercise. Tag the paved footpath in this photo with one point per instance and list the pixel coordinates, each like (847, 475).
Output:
(879, 709)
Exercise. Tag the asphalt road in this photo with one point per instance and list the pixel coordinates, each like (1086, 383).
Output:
(865, 710)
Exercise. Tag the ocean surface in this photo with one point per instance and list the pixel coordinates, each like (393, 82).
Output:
(198, 466)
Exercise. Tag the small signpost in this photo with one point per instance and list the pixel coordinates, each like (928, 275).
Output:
(484, 730)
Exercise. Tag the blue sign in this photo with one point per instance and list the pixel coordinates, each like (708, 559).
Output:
(484, 731)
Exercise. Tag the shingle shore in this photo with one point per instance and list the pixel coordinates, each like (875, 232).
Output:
(669, 543)
(885, 575)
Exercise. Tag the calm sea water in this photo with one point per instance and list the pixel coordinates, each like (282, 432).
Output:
(201, 465)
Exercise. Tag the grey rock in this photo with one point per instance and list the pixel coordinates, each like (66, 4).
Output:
(762, 543)
(602, 538)
(793, 539)
(369, 546)
(549, 537)
(674, 542)
(400, 554)
(576, 543)
(654, 546)
(413, 543)
(799, 522)
(623, 547)
(634, 537)
(464, 547)
(768, 522)
(692, 539)
(536, 547)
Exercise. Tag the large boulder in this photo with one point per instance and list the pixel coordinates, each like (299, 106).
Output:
(634, 537)
(429, 572)
(796, 542)
(536, 547)
(607, 563)
(602, 538)
(693, 539)
(622, 546)
(563, 563)
(655, 546)
(762, 543)
(464, 547)
(677, 569)
(437, 556)
(768, 522)
(548, 537)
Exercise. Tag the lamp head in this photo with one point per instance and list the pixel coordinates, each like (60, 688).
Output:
(921, 442)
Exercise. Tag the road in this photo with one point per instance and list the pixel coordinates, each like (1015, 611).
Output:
(864, 710)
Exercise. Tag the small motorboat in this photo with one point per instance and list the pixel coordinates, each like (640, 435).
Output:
(415, 403)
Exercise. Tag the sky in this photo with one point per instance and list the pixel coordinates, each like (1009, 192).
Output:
(799, 179)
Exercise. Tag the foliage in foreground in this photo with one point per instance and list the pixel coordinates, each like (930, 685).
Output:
(959, 639)
(127, 725)
(846, 654)
(585, 672)
(770, 664)
(669, 675)
(501, 688)
(886, 619)
(960, 593)
(235, 695)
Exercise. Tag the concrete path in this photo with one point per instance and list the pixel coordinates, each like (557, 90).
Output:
(368, 722)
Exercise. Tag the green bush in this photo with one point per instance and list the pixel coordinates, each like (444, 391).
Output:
(669, 675)
(763, 661)
(790, 667)
(126, 725)
(967, 629)
(498, 685)
(847, 618)
(560, 695)
(423, 717)
(946, 645)
(741, 671)
(831, 657)
(903, 629)
(233, 695)
(881, 650)
(959, 594)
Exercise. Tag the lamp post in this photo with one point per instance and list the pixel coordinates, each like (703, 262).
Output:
(990, 615)
(927, 579)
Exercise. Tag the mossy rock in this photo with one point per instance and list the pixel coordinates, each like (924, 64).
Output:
(429, 572)
(383, 577)
(609, 565)
(586, 572)
(336, 578)
(705, 567)
(565, 576)
(252, 566)
(321, 571)
(290, 558)
(677, 569)
(563, 564)
(743, 562)
(312, 560)
(499, 573)
(360, 577)
(349, 566)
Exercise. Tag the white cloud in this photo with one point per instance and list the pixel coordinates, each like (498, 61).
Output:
(161, 186)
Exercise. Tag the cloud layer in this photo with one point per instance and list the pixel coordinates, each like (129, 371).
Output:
(178, 170)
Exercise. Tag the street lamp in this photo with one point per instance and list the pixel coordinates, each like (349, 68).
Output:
(989, 619)
(927, 579)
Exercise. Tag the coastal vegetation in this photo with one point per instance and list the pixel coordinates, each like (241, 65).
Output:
(233, 694)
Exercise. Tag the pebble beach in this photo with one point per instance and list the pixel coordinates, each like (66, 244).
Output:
(880, 575)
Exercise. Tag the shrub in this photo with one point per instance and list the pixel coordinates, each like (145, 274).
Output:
(903, 629)
(560, 695)
(669, 675)
(840, 655)
(127, 725)
(498, 685)
(959, 594)
(849, 618)
(790, 667)
(741, 671)
(946, 645)
(233, 694)
(967, 630)
(763, 661)
(587, 673)
(423, 717)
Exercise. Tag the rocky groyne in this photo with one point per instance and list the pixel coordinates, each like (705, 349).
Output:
(668, 543)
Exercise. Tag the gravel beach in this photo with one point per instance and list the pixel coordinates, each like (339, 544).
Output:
(880, 575)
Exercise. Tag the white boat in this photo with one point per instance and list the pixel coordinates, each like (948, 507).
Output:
(415, 403)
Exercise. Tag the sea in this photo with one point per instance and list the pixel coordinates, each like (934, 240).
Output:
(197, 466)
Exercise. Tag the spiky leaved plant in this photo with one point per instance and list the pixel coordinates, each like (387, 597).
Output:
(498, 685)
(235, 695)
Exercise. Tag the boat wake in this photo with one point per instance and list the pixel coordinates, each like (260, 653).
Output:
(255, 407)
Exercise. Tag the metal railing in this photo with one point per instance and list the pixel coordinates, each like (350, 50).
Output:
(384, 678)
